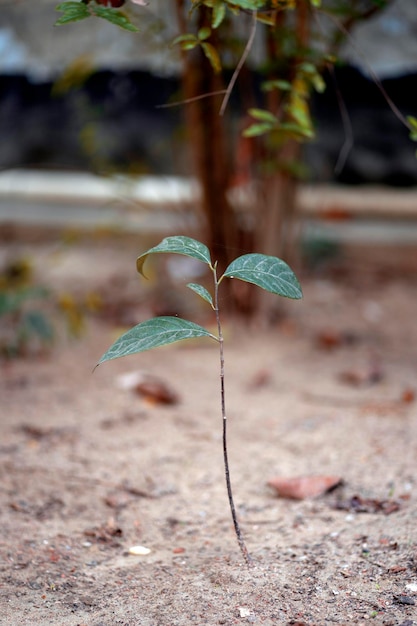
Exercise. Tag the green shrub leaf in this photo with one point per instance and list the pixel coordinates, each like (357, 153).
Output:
(263, 115)
(35, 323)
(267, 272)
(153, 333)
(115, 17)
(202, 292)
(219, 13)
(251, 5)
(282, 85)
(212, 55)
(204, 33)
(177, 245)
(258, 129)
(412, 121)
(73, 12)
(187, 41)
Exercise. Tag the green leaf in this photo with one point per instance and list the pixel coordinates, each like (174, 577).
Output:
(295, 130)
(263, 115)
(177, 245)
(73, 12)
(71, 17)
(412, 121)
(316, 3)
(307, 68)
(204, 33)
(13, 301)
(70, 6)
(202, 292)
(258, 129)
(115, 17)
(300, 115)
(267, 272)
(252, 5)
(36, 323)
(212, 55)
(187, 41)
(318, 83)
(156, 332)
(269, 85)
(219, 13)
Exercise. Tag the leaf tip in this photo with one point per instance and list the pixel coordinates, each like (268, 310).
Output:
(140, 262)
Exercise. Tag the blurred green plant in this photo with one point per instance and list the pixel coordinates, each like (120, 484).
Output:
(30, 314)
(24, 325)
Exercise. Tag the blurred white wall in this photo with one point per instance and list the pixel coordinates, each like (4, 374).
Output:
(29, 43)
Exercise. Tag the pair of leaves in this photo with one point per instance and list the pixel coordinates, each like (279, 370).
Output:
(76, 11)
(190, 41)
(267, 272)
(265, 123)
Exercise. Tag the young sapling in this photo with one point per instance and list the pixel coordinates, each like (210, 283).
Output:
(267, 272)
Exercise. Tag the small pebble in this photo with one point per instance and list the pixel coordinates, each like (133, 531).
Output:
(139, 551)
(244, 611)
(404, 600)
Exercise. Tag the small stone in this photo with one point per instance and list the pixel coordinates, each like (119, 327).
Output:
(244, 611)
(404, 600)
(139, 551)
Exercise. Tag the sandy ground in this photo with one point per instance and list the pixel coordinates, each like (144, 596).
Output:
(89, 469)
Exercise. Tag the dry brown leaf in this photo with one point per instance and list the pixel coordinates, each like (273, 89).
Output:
(155, 391)
(302, 487)
(328, 340)
(358, 504)
(151, 388)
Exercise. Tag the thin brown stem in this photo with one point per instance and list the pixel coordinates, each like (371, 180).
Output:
(373, 75)
(238, 532)
(239, 66)
(189, 100)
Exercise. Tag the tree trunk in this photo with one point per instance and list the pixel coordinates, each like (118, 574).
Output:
(207, 138)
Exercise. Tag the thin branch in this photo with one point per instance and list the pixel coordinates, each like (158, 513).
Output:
(188, 100)
(240, 64)
(373, 75)
(347, 126)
